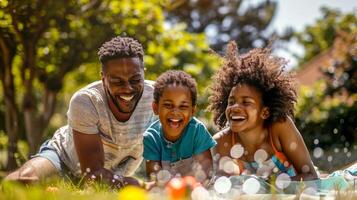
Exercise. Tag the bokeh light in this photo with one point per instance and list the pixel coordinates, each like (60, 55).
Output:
(237, 151)
(163, 176)
(318, 152)
(283, 181)
(260, 155)
(200, 193)
(251, 186)
(222, 185)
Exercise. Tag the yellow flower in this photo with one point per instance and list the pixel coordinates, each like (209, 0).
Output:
(132, 193)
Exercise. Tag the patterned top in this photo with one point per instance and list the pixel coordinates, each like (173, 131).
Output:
(89, 113)
(277, 164)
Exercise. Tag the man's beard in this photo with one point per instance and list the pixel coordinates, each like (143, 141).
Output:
(116, 103)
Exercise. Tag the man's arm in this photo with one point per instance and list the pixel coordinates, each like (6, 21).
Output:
(90, 151)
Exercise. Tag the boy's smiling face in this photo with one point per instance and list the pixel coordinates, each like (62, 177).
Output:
(245, 110)
(175, 110)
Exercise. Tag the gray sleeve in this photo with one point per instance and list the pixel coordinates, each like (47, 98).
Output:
(82, 115)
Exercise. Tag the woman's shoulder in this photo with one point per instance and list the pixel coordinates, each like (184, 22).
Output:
(282, 127)
(222, 135)
(280, 130)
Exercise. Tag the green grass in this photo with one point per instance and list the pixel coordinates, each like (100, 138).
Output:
(56, 189)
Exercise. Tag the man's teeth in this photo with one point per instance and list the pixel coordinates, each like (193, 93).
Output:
(174, 120)
(127, 98)
(238, 117)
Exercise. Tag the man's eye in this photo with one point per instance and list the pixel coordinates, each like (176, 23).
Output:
(135, 81)
(116, 82)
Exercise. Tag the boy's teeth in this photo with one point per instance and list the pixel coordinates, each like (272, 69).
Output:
(127, 98)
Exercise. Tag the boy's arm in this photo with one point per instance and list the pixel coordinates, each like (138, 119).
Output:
(205, 160)
(291, 143)
(152, 168)
(222, 150)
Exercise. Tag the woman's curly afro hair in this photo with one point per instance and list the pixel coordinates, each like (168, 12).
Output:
(257, 68)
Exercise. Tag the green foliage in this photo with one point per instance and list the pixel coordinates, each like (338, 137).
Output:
(328, 123)
(326, 112)
(320, 35)
(168, 47)
(237, 20)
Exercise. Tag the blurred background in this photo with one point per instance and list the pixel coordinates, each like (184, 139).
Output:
(48, 50)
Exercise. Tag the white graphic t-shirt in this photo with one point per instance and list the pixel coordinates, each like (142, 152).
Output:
(122, 141)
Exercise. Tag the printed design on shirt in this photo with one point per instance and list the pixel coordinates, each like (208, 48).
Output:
(106, 137)
(109, 144)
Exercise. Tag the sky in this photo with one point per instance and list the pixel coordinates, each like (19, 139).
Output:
(298, 14)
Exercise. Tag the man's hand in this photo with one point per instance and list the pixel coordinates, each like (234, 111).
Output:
(108, 177)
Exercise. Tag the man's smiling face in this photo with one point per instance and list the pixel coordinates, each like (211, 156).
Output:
(123, 80)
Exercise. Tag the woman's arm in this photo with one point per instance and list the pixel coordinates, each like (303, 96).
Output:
(291, 143)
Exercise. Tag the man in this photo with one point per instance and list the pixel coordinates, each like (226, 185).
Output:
(106, 120)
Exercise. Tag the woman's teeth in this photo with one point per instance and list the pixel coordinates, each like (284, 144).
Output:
(238, 117)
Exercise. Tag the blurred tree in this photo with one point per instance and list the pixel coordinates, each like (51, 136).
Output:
(48, 44)
(42, 42)
(226, 20)
(326, 113)
(342, 74)
(321, 35)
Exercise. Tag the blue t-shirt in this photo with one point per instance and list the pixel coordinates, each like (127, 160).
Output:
(195, 140)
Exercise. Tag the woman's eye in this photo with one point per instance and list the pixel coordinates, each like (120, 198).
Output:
(247, 102)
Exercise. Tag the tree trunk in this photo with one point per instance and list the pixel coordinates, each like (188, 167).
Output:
(8, 50)
(33, 125)
(12, 128)
(36, 120)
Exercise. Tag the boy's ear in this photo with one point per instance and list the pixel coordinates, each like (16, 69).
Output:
(155, 108)
(265, 113)
(193, 110)
(102, 76)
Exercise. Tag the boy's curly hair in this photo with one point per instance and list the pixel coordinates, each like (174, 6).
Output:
(177, 78)
(257, 68)
(120, 47)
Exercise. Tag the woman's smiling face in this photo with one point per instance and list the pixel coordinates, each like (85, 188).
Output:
(245, 110)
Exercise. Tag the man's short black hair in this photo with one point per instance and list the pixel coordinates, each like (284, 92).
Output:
(177, 78)
(120, 47)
